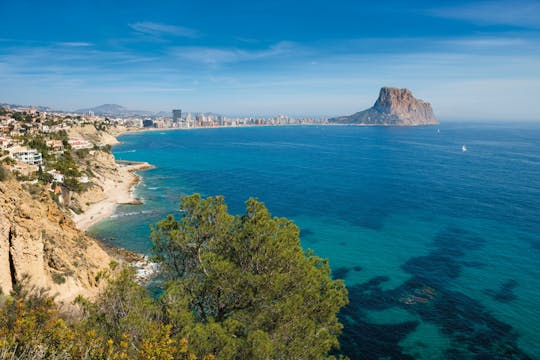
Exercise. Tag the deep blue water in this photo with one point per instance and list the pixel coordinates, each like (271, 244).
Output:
(440, 248)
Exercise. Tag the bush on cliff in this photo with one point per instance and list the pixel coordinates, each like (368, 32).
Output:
(242, 287)
(3, 173)
(122, 327)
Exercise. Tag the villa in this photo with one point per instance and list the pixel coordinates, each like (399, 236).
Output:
(57, 175)
(26, 156)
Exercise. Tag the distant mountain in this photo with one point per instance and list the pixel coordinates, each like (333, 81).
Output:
(394, 107)
(113, 109)
(18, 106)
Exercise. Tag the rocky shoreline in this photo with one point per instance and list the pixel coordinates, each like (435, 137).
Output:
(115, 182)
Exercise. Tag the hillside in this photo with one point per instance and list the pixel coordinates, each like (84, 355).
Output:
(40, 242)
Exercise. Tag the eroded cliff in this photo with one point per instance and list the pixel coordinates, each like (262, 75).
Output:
(40, 243)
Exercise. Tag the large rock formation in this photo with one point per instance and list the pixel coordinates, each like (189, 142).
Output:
(394, 107)
(39, 243)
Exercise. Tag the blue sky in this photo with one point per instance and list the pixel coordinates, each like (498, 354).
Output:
(471, 60)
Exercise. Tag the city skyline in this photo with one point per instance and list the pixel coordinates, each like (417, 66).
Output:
(470, 60)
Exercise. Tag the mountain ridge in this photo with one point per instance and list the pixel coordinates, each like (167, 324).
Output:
(113, 109)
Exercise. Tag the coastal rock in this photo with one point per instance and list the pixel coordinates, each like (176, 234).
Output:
(41, 247)
(394, 107)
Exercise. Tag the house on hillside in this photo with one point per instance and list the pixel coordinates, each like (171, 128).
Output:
(22, 168)
(78, 144)
(56, 146)
(26, 156)
(57, 175)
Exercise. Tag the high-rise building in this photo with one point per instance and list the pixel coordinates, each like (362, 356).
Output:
(177, 116)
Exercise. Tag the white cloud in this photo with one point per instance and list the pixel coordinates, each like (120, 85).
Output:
(75, 44)
(525, 13)
(486, 42)
(210, 55)
(158, 29)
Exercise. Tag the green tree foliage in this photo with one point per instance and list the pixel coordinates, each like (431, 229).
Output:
(44, 177)
(241, 287)
(123, 308)
(18, 116)
(60, 135)
(67, 165)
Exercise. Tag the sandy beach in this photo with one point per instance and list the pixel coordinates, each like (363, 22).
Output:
(116, 190)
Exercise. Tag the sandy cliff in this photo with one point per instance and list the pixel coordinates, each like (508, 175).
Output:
(40, 242)
(45, 243)
(98, 137)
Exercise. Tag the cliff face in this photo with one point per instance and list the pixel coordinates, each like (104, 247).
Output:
(397, 107)
(90, 133)
(41, 243)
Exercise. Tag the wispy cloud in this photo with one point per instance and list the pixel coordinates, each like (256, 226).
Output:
(523, 13)
(158, 29)
(486, 42)
(212, 55)
(75, 44)
(165, 89)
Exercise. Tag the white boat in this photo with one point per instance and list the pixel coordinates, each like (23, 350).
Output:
(463, 148)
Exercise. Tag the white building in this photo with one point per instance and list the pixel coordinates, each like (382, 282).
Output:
(57, 176)
(27, 156)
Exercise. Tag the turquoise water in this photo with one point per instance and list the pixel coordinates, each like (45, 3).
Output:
(440, 248)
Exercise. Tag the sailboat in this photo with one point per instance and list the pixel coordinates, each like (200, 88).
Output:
(463, 148)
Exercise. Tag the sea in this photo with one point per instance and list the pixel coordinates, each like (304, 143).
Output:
(439, 247)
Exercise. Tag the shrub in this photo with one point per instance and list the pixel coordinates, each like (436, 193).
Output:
(58, 278)
(3, 173)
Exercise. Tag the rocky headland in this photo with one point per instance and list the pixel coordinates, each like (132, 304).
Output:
(394, 107)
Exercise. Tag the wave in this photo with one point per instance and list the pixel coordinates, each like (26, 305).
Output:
(134, 213)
